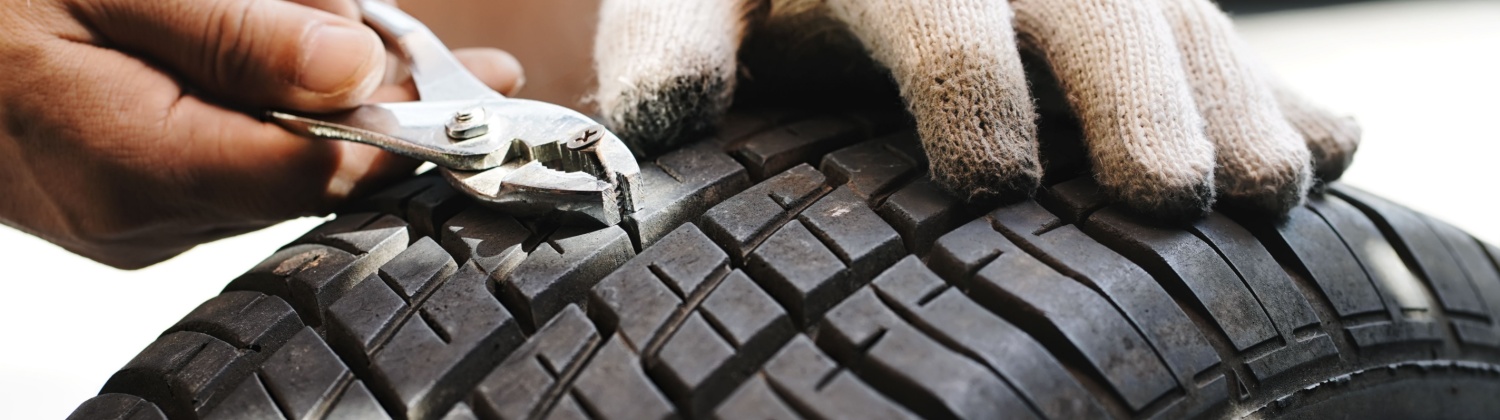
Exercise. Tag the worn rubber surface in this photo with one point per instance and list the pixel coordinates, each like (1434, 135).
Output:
(802, 265)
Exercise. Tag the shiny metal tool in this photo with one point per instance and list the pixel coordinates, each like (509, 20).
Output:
(524, 157)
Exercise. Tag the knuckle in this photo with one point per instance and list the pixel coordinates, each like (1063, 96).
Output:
(229, 38)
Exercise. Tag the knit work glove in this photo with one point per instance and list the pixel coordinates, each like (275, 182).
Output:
(1175, 110)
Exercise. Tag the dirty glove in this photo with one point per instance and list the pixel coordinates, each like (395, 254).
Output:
(1175, 111)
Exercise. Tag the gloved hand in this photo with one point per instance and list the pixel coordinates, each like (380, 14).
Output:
(129, 129)
(1175, 111)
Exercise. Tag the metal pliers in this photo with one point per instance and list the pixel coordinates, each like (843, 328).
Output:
(524, 157)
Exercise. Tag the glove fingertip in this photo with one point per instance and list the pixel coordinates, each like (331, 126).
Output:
(1172, 205)
(657, 119)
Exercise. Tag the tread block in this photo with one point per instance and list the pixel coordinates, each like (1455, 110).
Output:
(854, 233)
(962, 386)
(734, 331)
(1309, 243)
(416, 269)
(270, 275)
(921, 212)
(800, 272)
(1297, 354)
(1476, 264)
(343, 223)
(1422, 248)
(1469, 252)
(1476, 333)
(1075, 319)
(429, 209)
(304, 376)
(394, 200)
(1286, 306)
(1381, 333)
(443, 350)
(742, 221)
(953, 318)
(613, 386)
(775, 150)
(690, 360)
(754, 400)
(958, 255)
(813, 383)
(293, 274)
(741, 124)
(911, 368)
(686, 260)
(184, 373)
(682, 185)
(315, 277)
(520, 385)
(382, 237)
(1074, 199)
(1397, 284)
(320, 286)
(561, 272)
(249, 400)
(568, 409)
(1180, 260)
(116, 407)
(748, 318)
(489, 239)
(248, 320)
(633, 302)
(460, 412)
(1138, 296)
(356, 404)
(358, 322)
(868, 169)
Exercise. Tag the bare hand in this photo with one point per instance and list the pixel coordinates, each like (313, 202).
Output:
(128, 128)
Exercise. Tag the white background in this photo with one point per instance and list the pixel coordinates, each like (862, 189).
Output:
(1422, 77)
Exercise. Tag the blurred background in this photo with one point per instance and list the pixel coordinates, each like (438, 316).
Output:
(1421, 77)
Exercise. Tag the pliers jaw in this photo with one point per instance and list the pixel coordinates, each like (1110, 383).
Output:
(560, 164)
(524, 157)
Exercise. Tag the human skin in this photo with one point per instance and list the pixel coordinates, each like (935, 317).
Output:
(130, 130)
(555, 38)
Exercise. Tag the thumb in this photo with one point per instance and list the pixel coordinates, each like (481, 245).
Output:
(260, 53)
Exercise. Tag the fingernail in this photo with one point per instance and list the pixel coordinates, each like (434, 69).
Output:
(337, 59)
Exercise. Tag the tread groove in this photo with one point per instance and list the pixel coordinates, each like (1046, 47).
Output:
(680, 316)
(1077, 277)
(564, 383)
(798, 307)
(927, 330)
(1439, 314)
(796, 405)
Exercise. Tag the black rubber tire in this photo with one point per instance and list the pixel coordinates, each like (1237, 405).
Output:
(754, 285)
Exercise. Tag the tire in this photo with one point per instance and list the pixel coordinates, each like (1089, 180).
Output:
(756, 285)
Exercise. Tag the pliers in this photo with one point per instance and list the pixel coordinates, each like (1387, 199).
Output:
(523, 157)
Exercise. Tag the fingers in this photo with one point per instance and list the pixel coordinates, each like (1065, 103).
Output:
(348, 9)
(496, 68)
(1124, 78)
(666, 68)
(1262, 160)
(132, 171)
(960, 73)
(1332, 139)
(294, 176)
(260, 53)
